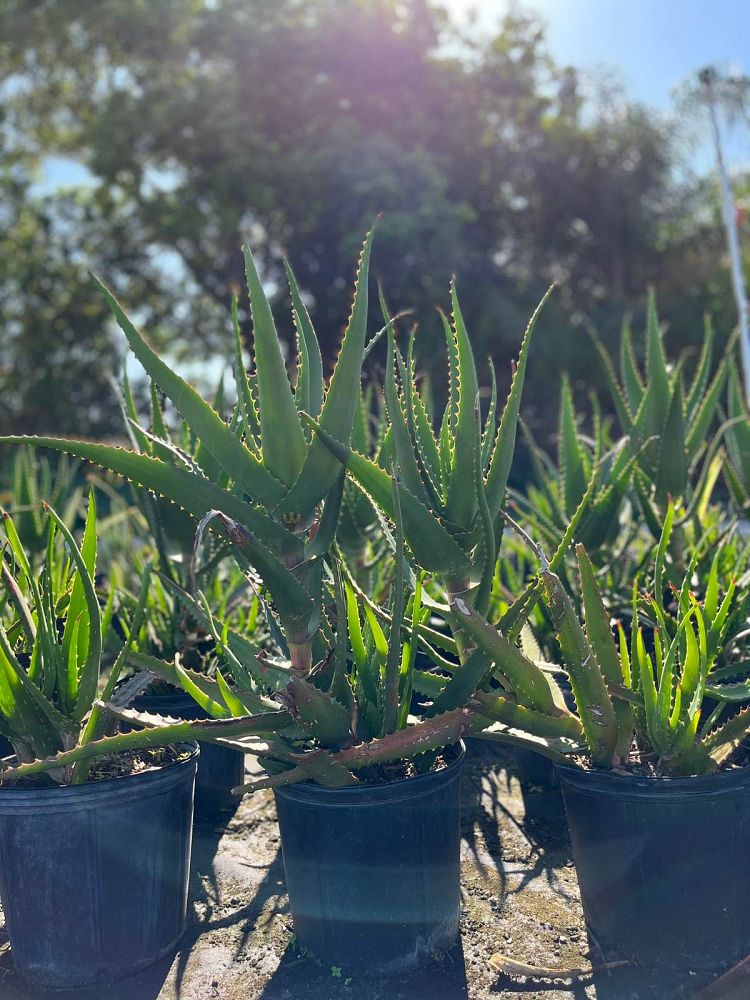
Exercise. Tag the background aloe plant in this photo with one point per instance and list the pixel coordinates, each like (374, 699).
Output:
(32, 480)
(52, 637)
(641, 694)
(594, 470)
(668, 422)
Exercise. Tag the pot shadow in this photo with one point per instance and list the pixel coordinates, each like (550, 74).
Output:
(482, 811)
(206, 910)
(298, 975)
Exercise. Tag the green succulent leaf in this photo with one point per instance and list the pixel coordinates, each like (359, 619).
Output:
(220, 441)
(282, 440)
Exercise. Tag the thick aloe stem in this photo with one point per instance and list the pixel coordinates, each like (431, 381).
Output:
(457, 590)
(430, 734)
(300, 654)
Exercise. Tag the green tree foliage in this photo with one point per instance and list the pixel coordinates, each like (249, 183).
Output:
(293, 123)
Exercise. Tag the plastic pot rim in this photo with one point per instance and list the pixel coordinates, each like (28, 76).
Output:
(605, 783)
(119, 786)
(363, 794)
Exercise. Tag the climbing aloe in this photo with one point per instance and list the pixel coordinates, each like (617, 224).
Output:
(261, 477)
(452, 480)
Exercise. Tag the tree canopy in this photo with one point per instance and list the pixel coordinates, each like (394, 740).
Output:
(206, 122)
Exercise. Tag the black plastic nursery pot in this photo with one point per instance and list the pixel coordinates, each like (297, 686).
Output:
(220, 769)
(373, 871)
(94, 878)
(663, 865)
(535, 770)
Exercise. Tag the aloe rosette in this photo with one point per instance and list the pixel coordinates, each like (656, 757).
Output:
(668, 422)
(262, 478)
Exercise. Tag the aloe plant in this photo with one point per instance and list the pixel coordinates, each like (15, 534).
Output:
(260, 478)
(346, 679)
(641, 691)
(52, 637)
(33, 479)
(595, 469)
(452, 480)
(667, 421)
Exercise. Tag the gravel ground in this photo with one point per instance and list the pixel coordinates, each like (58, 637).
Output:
(520, 897)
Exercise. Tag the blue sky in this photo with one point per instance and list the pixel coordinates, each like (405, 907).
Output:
(651, 45)
(655, 43)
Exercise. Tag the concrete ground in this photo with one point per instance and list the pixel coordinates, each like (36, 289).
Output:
(520, 897)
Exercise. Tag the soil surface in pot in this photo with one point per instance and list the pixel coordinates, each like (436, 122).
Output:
(118, 765)
(520, 898)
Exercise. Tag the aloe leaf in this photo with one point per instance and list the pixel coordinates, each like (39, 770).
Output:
(158, 427)
(282, 440)
(486, 555)
(463, 684)
(192, 492)
(393, 654)
(529, 683)
(450, 416)
(736, 691)
(571, 454)
(206, 424)
(427, 684)
(702, 372)
(601, 641)
(308, 394)
(705, 412)
(495, 708)
(672, 469)
(327, 525)
(624, 414)
(460, 505)
(505, 440)
(18, 600)
(631, 379)
(212, 706)
(648, 689)
(408, 469)
(488, 434)
(321, 466)
(432, 734)
(723, 742)
(657, 374)
(419, 423)
(660, 557)
(248, 411)
(589, 688)
(77, 603)
(159, 736)
(327, 719)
